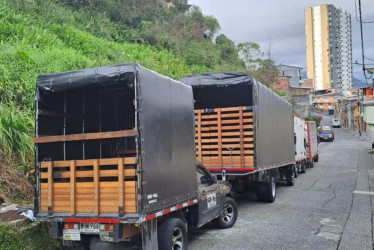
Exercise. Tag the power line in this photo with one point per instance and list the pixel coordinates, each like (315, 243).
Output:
(360, 14)
(362, 42)
(369, 58)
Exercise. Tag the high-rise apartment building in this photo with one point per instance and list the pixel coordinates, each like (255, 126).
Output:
(329, 47)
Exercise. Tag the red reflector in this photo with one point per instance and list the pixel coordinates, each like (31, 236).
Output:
(106, 227)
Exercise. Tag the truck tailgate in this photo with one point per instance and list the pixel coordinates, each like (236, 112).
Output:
(224, 138)
(91, 187)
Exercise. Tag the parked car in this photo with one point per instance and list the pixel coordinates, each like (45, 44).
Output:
(336, 123)
(327, 135)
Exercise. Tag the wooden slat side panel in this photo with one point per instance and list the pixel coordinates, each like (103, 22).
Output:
(234, 161)
(90, 162)
(85, 137)
(50, 185)
(96, 187)
(70, 195)
(225, 136)
(242, 137)
(120, 183)
(72, 188)
(219, 135)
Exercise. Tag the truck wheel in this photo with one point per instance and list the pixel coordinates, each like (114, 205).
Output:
(296, 170)
(311, 164)
(303, 167)
(266, 191)
(290, 178)
(228, 215)
(315, 159)
(172, 234)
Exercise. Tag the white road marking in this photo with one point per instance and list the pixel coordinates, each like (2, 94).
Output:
(363, 192)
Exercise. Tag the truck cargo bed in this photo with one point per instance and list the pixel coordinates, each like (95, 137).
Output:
(91, 187)
(261, 121)
(224, 137)
(115, 142)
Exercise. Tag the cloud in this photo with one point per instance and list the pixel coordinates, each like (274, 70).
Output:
(282, 23)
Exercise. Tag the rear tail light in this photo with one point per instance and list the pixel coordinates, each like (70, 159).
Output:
(106, 227)
(71, 226)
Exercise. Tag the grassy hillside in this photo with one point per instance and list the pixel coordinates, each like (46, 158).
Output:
(39, 37)
(48, 36)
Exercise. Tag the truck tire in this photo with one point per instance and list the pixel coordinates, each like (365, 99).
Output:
(311, 164)
(290, 177)
(172, 234)
(228, 215)
(303, 167)
(296, 170)
(266, 191)
(315, 159)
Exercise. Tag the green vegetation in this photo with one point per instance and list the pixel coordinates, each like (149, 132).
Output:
(26, 236)
(313, 118)
(49, 36)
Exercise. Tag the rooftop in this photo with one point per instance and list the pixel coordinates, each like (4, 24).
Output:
(280, 65)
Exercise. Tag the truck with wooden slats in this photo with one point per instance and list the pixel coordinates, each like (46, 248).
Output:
(243, 132)
(115, 160)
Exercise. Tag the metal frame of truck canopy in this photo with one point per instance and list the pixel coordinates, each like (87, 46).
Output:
(272, 115)
(165, 155)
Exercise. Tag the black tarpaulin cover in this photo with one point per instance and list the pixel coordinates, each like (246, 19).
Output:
(217, 78)
(221, 89)
(86, 78)
(166, 127)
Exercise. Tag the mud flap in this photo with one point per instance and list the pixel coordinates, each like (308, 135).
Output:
(149, 235)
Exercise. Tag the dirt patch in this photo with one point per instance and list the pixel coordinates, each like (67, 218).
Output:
(14, 185)
(10, 216)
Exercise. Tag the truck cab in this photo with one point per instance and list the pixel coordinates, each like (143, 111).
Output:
(214, 199)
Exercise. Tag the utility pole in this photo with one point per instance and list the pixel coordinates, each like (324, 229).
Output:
(359, 112)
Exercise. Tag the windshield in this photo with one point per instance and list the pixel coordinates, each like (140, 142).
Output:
(326, 132)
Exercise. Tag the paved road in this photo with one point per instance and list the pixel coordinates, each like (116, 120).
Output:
(321, 211)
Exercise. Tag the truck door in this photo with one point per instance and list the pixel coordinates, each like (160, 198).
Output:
(210, 198)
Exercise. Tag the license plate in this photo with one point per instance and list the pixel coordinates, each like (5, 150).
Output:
(90, 228)
(71, 234)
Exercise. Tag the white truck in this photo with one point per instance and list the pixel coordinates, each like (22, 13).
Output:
(311, 143)
(300, 141)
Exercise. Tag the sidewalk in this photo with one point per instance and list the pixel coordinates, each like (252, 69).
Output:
(358, 231)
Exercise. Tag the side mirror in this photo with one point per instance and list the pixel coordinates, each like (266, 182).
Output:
(213, 178)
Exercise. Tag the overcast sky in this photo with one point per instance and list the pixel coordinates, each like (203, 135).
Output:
(281, 24)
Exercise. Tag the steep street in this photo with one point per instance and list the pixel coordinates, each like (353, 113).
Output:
(329, 207)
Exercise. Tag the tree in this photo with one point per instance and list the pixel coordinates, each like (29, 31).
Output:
(251, 54)
(211, 26)
(229, 52)
(266, 73)
(259, 63)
